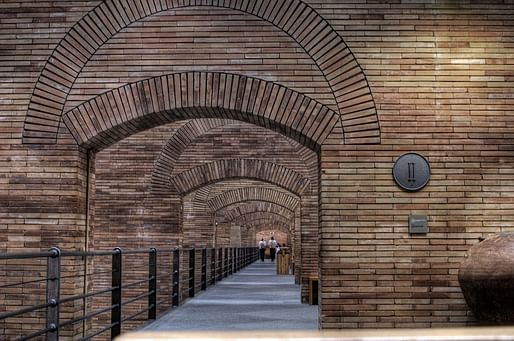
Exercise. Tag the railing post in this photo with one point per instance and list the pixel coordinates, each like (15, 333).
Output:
(238, 258)
(225, 263)
(116, 293)
(53, 284)
(220, 264)
(192, 272)
(213, 266)
(152, 284)
(175, 294)
(230, 261)
(233, 267)
(204, 269)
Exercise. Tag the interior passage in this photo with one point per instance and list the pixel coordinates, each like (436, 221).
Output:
(255, 298)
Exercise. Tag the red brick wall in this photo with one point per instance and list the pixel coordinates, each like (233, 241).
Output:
(441, 78)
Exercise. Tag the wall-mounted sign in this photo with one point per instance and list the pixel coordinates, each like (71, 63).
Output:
(418, 224)
(411, 171)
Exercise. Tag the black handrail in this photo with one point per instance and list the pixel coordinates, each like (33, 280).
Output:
(216, 263)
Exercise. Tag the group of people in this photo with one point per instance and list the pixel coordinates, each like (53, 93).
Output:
(274, 248)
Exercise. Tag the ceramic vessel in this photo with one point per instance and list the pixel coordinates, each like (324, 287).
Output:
(486, 277)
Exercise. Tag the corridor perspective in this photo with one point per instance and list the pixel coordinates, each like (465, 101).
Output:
(255, 298)
(148, 148)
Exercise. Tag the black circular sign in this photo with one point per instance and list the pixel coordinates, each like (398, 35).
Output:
(411, 171)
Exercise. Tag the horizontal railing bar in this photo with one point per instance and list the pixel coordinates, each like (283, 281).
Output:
(21, 283)
(88, 316)
(25, 255)
(133, 284)
(33, 335)
(94, 293)
(136, 314)
(87, 253)
(104, 329)
(138, 297)
(136, 251)
(24, 310)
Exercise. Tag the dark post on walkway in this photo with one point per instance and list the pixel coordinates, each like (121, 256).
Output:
(116, 293)
(152, 284)
(204, 269)
(213, 266)
(52, 294)
(192, 272)
(175, 293)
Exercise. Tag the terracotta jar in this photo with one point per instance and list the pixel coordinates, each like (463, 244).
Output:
(487, 278)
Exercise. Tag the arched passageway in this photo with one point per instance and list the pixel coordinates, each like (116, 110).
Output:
(126, 147)
(81, 121)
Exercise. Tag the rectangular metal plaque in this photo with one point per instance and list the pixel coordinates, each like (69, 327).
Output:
(418, 224)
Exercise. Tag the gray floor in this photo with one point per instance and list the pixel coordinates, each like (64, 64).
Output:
(252, 299)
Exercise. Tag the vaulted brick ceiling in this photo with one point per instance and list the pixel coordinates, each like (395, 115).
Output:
(232, 212)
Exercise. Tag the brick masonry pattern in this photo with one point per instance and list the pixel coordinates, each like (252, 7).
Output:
(441, 76)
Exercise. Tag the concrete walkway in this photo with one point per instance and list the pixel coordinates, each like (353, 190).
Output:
(253, 299)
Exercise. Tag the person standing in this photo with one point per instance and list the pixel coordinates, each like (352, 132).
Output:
(262, 249)
(272, 248)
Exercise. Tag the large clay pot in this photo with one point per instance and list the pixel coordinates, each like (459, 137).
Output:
(487, 278)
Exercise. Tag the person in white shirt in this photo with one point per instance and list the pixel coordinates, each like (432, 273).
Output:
(262, 249)
(272, 248)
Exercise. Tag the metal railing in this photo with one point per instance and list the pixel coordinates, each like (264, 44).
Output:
(144, 279)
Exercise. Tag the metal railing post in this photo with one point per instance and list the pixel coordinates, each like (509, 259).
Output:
(225, 263)
(238, 260)
(116, 293)
(53, 284)
(213, 266)
(220, 264)
(204, 269)
(192, 272)
(231, 262)
(175, 294)
(152, 284)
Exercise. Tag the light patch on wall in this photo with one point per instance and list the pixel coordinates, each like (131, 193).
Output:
(468, 61)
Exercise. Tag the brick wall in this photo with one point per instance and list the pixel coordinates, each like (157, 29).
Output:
(441, 78)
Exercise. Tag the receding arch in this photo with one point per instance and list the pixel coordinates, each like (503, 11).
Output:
(265, 226)
(253, 207)
(220, 170)
(245, 194)
(294, 17)
(174, 147)
(261, 217)
(121, 112)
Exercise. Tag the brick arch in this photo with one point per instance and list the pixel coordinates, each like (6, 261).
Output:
(253, 207)
(121, 112)
(216, 171)
(261, 217)
(277, 226)
(294, 17)
(245, 194)
(174, 147)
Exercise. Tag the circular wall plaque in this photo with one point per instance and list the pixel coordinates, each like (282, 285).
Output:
(411, 171)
